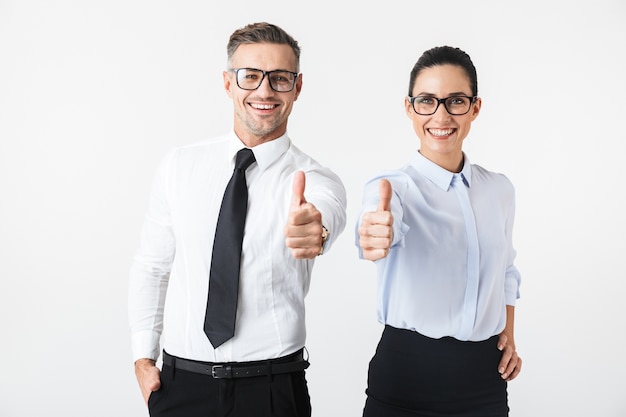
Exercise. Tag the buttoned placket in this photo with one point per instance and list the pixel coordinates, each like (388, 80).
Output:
(460, 186)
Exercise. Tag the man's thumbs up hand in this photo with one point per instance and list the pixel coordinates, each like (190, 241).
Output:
(303, 232)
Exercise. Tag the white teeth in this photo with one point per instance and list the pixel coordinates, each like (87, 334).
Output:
(263, 106)
(441, 132)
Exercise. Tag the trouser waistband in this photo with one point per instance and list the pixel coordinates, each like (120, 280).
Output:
(229, 370)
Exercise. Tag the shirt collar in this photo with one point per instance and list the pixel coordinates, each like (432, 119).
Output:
(441, 177)
(265, 154)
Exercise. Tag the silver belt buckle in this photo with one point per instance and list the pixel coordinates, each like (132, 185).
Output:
(214, 370)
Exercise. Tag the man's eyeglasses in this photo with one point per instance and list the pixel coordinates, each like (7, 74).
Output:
(455, 105)
(251, 78)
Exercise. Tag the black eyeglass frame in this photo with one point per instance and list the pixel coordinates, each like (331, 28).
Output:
(265, 73)
(442, 100)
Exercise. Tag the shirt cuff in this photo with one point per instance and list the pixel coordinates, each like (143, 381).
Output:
(146, 344)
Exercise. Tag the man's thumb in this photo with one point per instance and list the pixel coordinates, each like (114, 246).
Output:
(385, 195)
(299, 182)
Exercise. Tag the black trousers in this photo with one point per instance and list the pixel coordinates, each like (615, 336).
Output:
(412, 375)
(189, 394)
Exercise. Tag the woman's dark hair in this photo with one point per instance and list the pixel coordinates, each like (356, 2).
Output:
(442, 55)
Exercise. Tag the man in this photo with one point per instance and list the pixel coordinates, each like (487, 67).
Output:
(259, 370)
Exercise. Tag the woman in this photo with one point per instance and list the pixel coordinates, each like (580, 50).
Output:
(439, 230)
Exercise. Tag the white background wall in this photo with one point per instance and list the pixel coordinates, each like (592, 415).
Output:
(93, 93)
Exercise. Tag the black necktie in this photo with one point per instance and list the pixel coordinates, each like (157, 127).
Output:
(219, 322)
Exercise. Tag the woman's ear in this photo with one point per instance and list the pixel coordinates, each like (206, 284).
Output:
(476, 107)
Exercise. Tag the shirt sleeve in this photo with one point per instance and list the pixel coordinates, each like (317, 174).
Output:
(150, 270)
(326, 191)
(512, 279)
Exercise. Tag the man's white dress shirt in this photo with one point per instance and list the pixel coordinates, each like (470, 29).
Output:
(170, 274)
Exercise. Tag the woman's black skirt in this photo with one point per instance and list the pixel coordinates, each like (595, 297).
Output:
(412, 375)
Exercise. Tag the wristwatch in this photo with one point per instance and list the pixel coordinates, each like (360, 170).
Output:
(325, 234)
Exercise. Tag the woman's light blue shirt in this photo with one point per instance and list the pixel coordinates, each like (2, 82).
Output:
(450, 269)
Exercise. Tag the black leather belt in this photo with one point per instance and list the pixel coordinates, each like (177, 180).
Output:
(286, 364)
